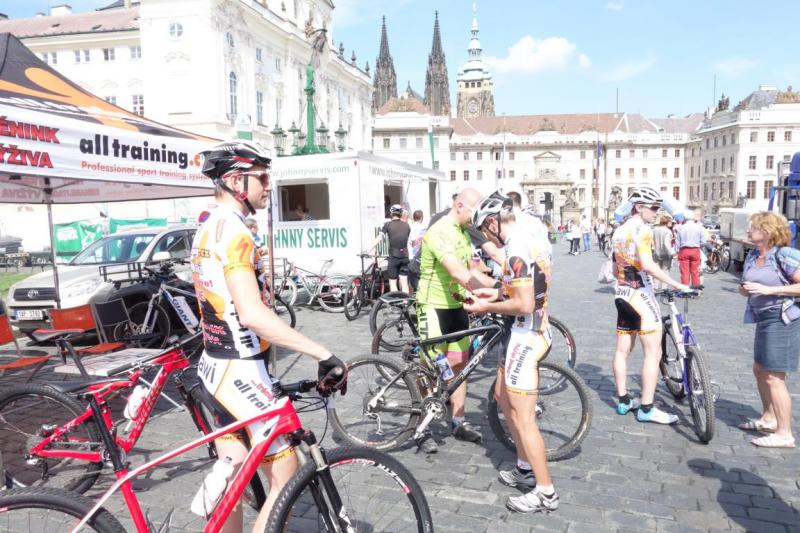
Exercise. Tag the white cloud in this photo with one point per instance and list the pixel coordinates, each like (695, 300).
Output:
(529, 55)
(614, 5)
(734, 65)
(631, 70)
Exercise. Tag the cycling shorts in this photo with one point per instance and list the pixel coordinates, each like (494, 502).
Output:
(239, 389)
(519, 363)
(433, 322)
(637, 311)
(397, 266)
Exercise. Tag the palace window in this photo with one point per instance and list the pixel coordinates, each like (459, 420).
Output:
(136, 52)
(175, 30)
(108, 54)
(767, 187)
(751, 189)
(751, 163)
(770, 136)
(753, 136)
(770, 161)
(138, 104)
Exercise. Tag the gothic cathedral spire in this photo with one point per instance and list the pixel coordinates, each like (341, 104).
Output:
(437, 89)
(474, 82)
(385, 82)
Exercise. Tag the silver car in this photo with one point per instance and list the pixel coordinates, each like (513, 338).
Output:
(80, 281)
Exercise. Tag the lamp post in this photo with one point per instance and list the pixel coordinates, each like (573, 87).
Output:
(341, 135)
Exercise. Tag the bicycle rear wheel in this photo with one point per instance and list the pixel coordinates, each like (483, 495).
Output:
(713, 262)
(331, 293)
(725, 259)
(377, 494)
(47, 510)
(354, 298)
(384, 310)
(671, 364)
(28, 412)
(286, 288)
(378, 411)
(157, 325)
(392, 336)
(563, 413)
(701, 397)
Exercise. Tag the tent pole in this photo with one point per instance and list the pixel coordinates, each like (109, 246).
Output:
(270, 251)
(48, 194)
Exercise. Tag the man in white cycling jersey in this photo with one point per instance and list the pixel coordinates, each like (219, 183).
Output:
(522, 296)
(239, 327)
(638, 313)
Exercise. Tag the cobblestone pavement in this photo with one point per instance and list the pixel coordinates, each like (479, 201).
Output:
(626, 477)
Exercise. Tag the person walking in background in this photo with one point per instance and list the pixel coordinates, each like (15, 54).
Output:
(600, 229)
(771, 282)
(573, 236)
(397, 233)
(586, 232)
(416, 234)
(663, 249)
(689, 238)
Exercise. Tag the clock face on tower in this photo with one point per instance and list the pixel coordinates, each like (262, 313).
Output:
(472, 108)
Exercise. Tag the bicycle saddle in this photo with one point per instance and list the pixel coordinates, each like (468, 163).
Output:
(44, 335)
(68, 387)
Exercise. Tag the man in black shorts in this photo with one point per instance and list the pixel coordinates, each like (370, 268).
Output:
(397, 233)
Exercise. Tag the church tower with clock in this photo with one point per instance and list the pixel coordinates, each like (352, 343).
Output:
(475, 94)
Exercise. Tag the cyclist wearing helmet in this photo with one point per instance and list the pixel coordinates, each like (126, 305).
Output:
(397, 232)
(444, 274)
(523, 296)
(238, 325)
(638, 312)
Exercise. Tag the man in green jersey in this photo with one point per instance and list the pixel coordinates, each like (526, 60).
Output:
(445, 273)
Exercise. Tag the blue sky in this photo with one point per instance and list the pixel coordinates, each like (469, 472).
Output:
(563, 56)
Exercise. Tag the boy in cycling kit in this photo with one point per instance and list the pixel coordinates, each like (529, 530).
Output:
(397, 232)
(523, 296)
(638, 313)
(238, 325)
(444, 273)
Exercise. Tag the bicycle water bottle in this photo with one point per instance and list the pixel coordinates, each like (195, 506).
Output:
(135, 401)
(213, 488)
(444, 367)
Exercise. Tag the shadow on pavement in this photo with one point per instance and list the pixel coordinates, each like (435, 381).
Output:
(734, 413)
(762, 502)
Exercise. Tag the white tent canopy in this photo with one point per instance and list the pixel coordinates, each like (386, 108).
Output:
(61, 144)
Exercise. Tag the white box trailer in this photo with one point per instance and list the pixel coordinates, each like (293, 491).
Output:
(330, 206)
(733, 223)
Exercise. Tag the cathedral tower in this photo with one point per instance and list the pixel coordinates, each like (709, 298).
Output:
(437, 88)
(475, 96)
(385, 82)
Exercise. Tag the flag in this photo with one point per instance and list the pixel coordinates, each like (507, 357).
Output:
(598, 154)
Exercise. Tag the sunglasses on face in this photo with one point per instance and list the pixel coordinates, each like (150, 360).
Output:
(262, 176)
(654, 207)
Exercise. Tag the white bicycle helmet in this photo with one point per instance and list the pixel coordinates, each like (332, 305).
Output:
(645, 195)
(490, 206)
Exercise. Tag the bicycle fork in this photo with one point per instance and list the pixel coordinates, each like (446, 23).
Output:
(323, 490)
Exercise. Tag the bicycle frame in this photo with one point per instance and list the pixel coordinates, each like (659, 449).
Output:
(280, 421)
(683, 331)
(185, 313)
(312, 282)
(172, 361)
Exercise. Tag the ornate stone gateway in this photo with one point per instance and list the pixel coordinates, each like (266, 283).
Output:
(553, 194)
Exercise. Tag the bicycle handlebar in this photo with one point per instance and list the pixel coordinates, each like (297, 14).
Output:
(674, 293)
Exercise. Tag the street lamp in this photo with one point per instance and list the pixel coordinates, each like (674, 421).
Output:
(341, 135)
(295, 131)
(279, 138)
(322, 137)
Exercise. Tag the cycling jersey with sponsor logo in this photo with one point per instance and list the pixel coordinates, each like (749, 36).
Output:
(527, 264)
(632, 241)
(223, 246)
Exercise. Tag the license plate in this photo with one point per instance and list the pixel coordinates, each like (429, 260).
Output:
(30, 314)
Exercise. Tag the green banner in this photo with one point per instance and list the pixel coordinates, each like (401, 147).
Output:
(117, 224)
(73, 237)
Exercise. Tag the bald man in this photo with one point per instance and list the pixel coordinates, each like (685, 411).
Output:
(445, 273)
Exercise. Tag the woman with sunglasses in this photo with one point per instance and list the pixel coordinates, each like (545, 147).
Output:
(638, 312)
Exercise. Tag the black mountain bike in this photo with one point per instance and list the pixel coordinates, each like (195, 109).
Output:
(366, 288)
(390, 401)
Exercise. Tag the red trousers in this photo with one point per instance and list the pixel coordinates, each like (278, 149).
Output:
(689, 262)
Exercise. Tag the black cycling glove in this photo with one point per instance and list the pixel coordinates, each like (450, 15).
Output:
(332, 375)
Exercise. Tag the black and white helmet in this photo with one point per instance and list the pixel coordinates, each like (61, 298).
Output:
(233, 155)
(489, 206)
(645, 195)
(396, 210)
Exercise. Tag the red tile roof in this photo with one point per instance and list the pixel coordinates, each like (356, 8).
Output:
(93, 22)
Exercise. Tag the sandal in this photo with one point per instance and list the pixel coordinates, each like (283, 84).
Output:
(755, 424)
(774, 441)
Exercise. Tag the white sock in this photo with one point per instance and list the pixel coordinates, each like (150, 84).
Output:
(523, 465)
(547, 490)
(458, 420)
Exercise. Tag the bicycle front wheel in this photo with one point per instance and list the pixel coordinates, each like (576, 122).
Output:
(376, 493)
(382, 405)
(725, 260)
(563, 412)
(43, 509)
(354, 298)
(671, 364)
(28, 414)
(563, 348)
(157, 326)
(392, 336)
(384, 310)
(285, 311)
(286, 289)
(331, 293)
(701, 397)
(713, 262)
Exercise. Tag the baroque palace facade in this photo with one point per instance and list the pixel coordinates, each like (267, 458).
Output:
(589, 162)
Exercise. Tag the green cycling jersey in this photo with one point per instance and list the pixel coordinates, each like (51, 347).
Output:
(437, 288)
